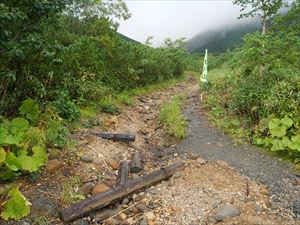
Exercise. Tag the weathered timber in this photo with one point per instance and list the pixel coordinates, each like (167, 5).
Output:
(123, 173)
(105, 198)
(116, 136)
(136, 164)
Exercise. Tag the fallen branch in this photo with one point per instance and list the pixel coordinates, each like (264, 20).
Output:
(116, 136)
(105, 198)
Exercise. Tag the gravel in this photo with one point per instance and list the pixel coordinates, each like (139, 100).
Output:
(204, 139)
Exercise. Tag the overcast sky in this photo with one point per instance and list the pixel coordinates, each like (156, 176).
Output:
(175, 19)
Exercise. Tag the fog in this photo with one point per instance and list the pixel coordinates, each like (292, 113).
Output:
(176, 19)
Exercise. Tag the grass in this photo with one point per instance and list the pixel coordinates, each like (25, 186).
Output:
(172, 118)
(68, 194)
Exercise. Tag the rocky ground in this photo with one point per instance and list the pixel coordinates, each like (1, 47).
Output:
(208, 191)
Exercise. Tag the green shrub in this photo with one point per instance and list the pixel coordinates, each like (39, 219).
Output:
(56, 133)
(67, 109)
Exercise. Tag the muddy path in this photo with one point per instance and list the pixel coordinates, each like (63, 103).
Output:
(222, 183)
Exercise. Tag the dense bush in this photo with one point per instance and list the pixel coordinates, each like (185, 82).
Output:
(261, 85)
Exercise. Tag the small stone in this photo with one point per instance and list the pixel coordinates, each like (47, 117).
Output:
(80, 222)
(150, 216)
(113, 164)
(53, 165)
(42, 206)
(111, 222)
(193, 156)
(99, 188)
(133, 210)
(217, 217)
(86, 159)
(134, 176)
(171, 182)
(147, 107)
(226, 210)
(122, 216)
(125, 201)
(212, 220)
(142, 208)
(296, 207)
(144, 222)
(201, 161)
(177, 175)
(87, 188)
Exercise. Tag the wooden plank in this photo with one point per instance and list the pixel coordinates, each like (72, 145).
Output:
(103, 199)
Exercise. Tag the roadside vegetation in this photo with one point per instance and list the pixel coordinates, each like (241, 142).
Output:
(172, 118)
(255, 94)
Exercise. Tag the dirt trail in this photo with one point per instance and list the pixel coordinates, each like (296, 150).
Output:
(193, 196)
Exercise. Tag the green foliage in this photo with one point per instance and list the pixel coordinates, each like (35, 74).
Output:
(16, 206)
(172, 118)
(69, 194)
(22, 147)
(67, 109)
(88, 117)
(108, 105)
(56, 133)
(283, 135)
(30, 110)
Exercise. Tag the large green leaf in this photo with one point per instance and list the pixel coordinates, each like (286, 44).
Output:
(16, 207)
(19, 125)
(3, 135)
(286, 141)
(30, 109)
(287, 122)
(278, 131)
(277, 145)
(274, 123)
(2, 155)
(295, 143)
(33, 162)
(12, 162)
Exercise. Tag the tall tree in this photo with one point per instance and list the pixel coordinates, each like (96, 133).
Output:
(265, 9)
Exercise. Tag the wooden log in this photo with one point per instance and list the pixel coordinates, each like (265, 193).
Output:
(136, 164)
(116, 136)
(123, 173)
(105, 198)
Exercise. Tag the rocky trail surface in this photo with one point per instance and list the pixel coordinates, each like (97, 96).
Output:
(221, 184)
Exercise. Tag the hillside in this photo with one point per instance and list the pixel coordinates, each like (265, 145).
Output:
(222, 39)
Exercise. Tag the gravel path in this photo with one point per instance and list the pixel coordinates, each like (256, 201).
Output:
(211, 144)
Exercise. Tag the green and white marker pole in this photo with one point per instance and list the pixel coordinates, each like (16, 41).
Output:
(203, 77)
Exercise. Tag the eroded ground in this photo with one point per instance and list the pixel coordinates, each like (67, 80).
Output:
(193, 196)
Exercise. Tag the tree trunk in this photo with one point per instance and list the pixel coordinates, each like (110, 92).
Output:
(105, 198)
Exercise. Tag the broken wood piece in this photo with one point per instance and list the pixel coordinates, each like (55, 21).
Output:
(116, 136)
(123, 173)
(105, 198)
(136, 164)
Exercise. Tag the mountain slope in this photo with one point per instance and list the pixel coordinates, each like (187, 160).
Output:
(220, 40)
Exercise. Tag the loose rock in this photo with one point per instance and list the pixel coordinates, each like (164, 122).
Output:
(87, 188)
(80, 222)
(53, 165)
(99, 188)
(41, 207)
(113, 164)
(86, 158)
(226, 211)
